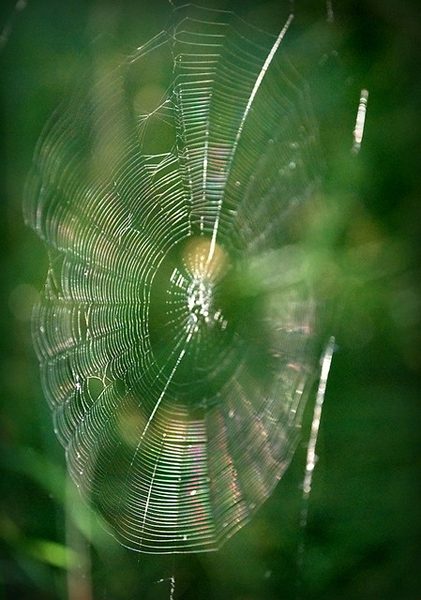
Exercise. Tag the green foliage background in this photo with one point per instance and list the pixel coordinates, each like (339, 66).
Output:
(363, 534)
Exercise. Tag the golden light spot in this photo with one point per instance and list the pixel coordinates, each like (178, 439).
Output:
(202, 258)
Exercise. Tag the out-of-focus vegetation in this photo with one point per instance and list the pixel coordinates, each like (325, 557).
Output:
(363, 534)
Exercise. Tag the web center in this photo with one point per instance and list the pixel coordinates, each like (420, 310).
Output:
(200, 299)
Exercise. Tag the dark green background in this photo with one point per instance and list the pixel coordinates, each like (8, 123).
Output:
(363, 534)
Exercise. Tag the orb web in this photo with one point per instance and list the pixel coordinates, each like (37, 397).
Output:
(178, 331)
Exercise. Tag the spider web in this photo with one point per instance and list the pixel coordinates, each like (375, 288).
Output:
(178, 331)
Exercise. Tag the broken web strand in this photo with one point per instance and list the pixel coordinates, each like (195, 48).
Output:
(311, 458)
(171, 582)
(360, 122)
(246, 112)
